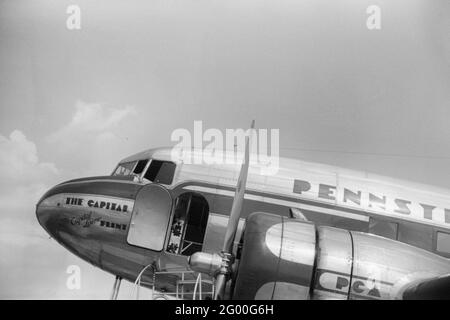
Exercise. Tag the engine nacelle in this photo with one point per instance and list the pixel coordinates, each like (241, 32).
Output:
(284, 258)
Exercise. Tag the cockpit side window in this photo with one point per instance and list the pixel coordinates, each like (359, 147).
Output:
(124, 169)
(160, 172)
(443, 243)
(140, 166)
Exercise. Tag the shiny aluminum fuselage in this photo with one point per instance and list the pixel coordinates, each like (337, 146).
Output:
(88, 218)
(91, 216)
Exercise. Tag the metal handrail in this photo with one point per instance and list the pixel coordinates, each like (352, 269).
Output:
(137, 283)
(179, 283)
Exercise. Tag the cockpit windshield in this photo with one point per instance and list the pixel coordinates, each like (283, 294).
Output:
(129, 168)
(156, 171)
(124, 169)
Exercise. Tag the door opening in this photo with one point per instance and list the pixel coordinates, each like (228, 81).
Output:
(189, 222)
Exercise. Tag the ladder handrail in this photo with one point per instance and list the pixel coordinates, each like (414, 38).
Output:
(179, 283)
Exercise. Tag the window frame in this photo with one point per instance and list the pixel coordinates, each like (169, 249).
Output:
(407, 228)
(121, 164)
(143, 169)
(447, 233)
(144, 172)
(373, 219)
(208, 217)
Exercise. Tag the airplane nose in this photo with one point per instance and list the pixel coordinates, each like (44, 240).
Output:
(42, 215)
(45, 211)
(76, 197)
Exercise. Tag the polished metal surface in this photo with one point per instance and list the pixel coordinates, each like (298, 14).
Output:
(292, 241)
(150, 217)
(98, 233)
(334, 264)
(208, 263)
(92, 218)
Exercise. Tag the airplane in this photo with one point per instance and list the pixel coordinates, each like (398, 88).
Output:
(226, 231)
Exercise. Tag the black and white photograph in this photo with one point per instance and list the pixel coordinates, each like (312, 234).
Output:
(229, 150)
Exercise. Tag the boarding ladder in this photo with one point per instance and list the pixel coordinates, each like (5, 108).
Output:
(189, 285)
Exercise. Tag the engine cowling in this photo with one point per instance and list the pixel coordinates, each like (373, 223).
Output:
(284, 258)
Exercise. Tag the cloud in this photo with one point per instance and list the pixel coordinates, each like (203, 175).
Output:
(92, 118)
(23, 243)
(19, 159)
(23, 180)
(23, 177)
(90, 143)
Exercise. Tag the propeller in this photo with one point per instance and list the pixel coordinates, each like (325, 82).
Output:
(219, 265)
(233, 221)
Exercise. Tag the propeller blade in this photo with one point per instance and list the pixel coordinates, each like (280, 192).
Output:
(233, 220)
(238, 200)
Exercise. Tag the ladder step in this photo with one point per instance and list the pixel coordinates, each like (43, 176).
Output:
(194, 281)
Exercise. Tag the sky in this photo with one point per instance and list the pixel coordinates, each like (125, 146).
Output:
(75, 102)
